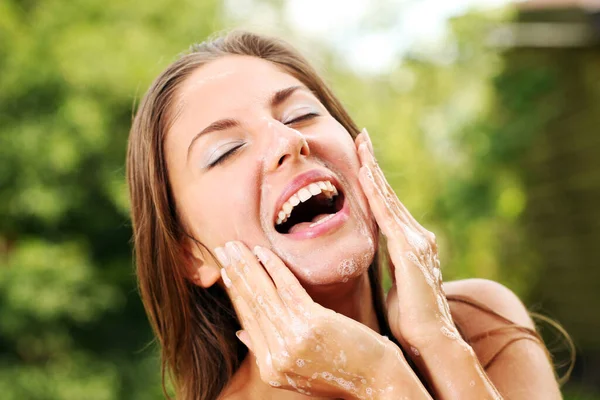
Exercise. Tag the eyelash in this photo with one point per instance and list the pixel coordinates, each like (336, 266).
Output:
(301, 118)
(231, 152)
(225, 156)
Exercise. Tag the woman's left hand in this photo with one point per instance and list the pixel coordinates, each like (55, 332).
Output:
(418, 312)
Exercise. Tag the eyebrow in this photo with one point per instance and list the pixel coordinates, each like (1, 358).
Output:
(277, 99)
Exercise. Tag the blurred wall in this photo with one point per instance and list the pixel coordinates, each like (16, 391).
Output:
(561, 170)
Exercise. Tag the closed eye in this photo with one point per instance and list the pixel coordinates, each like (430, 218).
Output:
(224, 156)
(229, 153)
(302, 118)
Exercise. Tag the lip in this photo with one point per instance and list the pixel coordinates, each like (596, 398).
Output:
(326, 227)
(298, 183)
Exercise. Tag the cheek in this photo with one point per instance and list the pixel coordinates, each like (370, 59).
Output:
(335, 145)
(218, 214)
(339, 151)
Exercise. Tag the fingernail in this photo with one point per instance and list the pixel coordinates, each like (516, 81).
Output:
(261, 254)
(242, 335)
(225, 278)
(239, 336)
(233, 251)
(364, 130)
(368, 137)
(222, 256)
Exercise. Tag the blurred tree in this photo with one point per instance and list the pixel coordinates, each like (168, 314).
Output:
(71, 323)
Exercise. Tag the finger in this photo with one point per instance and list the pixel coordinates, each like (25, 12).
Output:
(384, 197)
(292, 292)
(416, 234)
(368, 158)
(256, 290)
(385, 214)
(410, 271)
(360, 138)
(364, 147)
(253, 282)
(386, 191)
(401, 234)
(250, 324)
(367, 138)
(256, 338)
(363, 137)
(401, 209)
(391, 268)
(245, 338)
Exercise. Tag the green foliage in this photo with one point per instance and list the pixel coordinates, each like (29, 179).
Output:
(72, 326)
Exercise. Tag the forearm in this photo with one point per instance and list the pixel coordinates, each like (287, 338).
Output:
(393, 379)
(451, 367)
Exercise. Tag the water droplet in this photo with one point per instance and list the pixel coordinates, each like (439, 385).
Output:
(415, 351)
(451, 334)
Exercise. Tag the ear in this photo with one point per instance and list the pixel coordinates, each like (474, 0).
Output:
(201, 268)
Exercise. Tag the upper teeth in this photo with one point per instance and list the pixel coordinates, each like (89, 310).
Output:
(302, 195)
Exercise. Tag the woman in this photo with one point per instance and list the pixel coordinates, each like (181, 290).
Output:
(257, 208)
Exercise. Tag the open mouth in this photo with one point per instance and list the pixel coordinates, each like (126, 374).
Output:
(309, 207)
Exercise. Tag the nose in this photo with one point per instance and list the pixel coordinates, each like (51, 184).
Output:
(287, 145)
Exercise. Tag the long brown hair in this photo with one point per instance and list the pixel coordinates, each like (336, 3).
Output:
(196, 326)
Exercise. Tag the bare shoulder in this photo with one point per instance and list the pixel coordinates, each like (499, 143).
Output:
(491, 294)
(515, 361)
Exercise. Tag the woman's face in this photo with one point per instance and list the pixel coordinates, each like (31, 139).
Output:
(254, 156)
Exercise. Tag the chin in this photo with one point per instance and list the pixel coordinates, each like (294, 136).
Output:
(338, 262)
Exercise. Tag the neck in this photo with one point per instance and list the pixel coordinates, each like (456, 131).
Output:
(353, 299)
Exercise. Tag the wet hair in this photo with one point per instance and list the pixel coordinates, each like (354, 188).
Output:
(196, 326)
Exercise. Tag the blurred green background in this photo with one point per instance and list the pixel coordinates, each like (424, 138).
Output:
(488, 131)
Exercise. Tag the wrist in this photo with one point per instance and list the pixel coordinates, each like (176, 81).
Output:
(390, 377)
(394, 378)
(452, 346)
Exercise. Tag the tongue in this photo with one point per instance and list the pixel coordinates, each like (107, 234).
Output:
(305, 225)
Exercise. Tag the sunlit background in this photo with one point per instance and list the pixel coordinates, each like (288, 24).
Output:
(485, 115)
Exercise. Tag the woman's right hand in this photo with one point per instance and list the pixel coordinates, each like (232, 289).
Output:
(300, 345)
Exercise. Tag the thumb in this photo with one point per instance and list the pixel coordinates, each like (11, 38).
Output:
(393, 313)
(245, 338)
(391, 268)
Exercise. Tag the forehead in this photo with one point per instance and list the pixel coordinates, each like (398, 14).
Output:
(233, 81)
